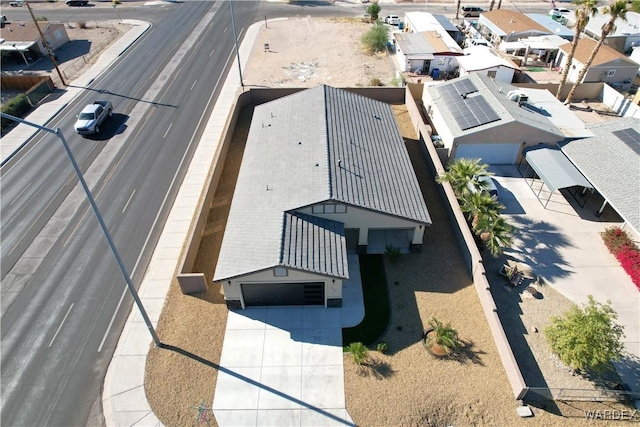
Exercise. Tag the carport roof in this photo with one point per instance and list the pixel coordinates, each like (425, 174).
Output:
(611, 162)
(555, 169)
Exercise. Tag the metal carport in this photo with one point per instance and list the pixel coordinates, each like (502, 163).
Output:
(555, 169)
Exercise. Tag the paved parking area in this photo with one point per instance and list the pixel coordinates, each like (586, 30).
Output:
(284, 366)
(562, 243)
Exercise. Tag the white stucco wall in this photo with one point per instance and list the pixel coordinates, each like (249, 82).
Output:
(503, 74)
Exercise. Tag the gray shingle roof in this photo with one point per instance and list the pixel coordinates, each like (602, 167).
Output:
(612, 166)
(320, 144)
(314, 244)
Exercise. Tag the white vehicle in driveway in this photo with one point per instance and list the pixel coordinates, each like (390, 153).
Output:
(92, 116)
(392, 19)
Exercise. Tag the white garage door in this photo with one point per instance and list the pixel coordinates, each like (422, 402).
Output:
(493, 154)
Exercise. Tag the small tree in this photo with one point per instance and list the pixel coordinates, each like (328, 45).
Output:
(586, 338)
(374, 10)
(359, 352)
(375, 40)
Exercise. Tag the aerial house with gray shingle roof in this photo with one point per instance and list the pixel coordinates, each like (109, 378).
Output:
(325, 172)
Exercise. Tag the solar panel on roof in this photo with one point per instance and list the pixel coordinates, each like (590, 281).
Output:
(630, 137)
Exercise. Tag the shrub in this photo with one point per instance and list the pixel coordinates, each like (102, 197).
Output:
(18, 106)
(82, 24)
(375, 82)
(615, 239)
(626, 252)
(381, 347)
(375, 40)
(359, 352)
(586, 338)
(393, 252)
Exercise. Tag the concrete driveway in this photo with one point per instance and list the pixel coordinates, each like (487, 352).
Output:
(562, 243)
(283, 366)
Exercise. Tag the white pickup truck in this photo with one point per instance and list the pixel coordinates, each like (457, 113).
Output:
(92, 116)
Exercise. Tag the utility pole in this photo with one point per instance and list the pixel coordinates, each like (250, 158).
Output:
(45, 42)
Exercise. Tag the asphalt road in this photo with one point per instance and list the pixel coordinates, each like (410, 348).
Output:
(59, 334)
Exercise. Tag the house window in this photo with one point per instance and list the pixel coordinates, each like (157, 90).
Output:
(492, 74)
(329, 208)
(611, 73)
(280, 272)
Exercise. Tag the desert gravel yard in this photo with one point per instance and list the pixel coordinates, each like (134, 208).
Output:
(407, 386)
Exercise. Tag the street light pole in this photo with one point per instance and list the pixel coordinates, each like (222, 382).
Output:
(235, 41)
(103, 226)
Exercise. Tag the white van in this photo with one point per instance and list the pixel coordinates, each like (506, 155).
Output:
(392, 19)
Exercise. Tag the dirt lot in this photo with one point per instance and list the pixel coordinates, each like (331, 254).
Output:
(306, 52)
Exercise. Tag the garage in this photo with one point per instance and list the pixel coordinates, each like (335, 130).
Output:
(493, 154)
(304, 293)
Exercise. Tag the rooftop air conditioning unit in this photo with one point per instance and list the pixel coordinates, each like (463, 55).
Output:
(519, 97)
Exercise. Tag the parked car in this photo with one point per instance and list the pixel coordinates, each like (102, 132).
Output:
(92, 116)
(76, 2)
(17, 3)
(559, 10)
(392, 19)
(471, 11)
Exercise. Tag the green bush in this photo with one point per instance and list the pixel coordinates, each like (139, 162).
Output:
(586, 338)
(375, 40)
(18, 106)
(359, 352)
(381, 347)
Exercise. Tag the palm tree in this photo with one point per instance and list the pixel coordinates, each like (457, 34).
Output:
(458, 8)
(461, 172)
(586, 9)
(479, 204)
(495, 232)
(493, 2)
(617, 9)
(499, 3)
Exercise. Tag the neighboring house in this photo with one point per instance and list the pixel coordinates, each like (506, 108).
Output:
(487, 61)
(478, 117)
(417, 22)
(554, 27)
(622, 38)
(635, 56)
(425, 52)
(542, 48)
(609, 160)
(508, 25)
(324, 172)
(24, 38)
(608, 66)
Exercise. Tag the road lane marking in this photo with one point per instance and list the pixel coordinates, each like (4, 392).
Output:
(211, 54)
(127, 204)
(194, 83)
(225, 30)
(60, 327)
(104, 338)
(165, 134)
(18, 196)
(122, 82)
